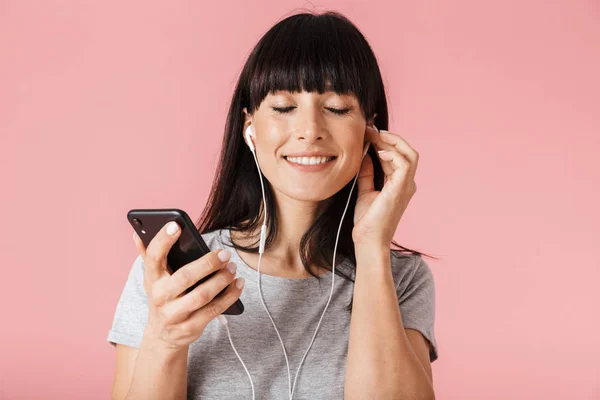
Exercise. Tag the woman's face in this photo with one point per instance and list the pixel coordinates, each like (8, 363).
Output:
(327, 124)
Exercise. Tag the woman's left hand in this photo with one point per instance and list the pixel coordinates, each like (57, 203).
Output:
(377, 213)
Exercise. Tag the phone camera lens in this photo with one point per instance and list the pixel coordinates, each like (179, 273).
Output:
(136, 222)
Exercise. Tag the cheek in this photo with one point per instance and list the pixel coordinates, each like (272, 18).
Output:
(269, 156)
(351, 165)
(353, 152)
(273, 141)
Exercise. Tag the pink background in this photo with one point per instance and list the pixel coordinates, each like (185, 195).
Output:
(110, 105)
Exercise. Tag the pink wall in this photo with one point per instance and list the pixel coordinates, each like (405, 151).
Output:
(111, 105)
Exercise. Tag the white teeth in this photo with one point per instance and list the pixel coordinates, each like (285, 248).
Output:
(308, 160)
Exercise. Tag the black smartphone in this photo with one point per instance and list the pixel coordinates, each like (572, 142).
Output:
(189, 246)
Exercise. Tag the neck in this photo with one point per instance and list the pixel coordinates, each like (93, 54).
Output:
(283, 256)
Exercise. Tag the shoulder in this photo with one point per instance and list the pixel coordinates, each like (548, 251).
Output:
(410, 271)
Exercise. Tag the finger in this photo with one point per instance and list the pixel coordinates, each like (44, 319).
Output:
(395, 158)
(201, 317)
(188, 275)
(403, 168)
(180, 308)
(375, 139)
(158, 248)
(400, 145)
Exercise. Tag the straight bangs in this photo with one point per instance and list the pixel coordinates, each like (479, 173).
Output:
(315, 53)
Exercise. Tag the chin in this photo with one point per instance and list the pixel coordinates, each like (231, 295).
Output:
(308, 194)
(311, 192)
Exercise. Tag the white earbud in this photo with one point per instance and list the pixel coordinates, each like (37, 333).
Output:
(249, 135)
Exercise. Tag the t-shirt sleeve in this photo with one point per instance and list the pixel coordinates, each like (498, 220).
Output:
(131, 314)
(416, 296)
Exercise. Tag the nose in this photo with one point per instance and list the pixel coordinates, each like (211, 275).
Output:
(312, 130)
(309, 136)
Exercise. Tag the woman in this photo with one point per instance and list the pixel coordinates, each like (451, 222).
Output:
(311, 85)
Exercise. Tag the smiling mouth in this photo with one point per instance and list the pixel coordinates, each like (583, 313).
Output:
(309, 160)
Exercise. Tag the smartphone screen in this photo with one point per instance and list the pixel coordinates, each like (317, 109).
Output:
(189, 246)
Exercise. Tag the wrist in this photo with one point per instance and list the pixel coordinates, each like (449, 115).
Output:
(162, 349)
(373, 255)
(371, 249)
(373, 263)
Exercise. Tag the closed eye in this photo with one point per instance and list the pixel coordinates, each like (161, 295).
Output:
(333, 110)
(283, 110)
(339, 112)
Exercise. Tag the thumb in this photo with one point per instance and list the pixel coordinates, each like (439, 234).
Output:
(139, 245)
(366, 176)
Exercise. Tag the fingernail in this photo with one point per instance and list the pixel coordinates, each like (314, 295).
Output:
(172, 228)
(232, 267)
(224, 255)
(239, 283)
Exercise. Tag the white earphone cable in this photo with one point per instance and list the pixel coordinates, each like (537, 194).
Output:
(261, 250)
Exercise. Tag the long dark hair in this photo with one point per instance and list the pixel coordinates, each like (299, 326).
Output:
(301, 52)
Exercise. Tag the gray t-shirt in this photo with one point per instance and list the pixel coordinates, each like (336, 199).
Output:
(215, 372)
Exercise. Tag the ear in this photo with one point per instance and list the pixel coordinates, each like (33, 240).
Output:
(247, 123)
(371, 121)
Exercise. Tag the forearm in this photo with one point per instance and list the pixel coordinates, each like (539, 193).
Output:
(158, 373)
(381, 363)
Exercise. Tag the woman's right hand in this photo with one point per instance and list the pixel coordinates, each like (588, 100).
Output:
(176, 319)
